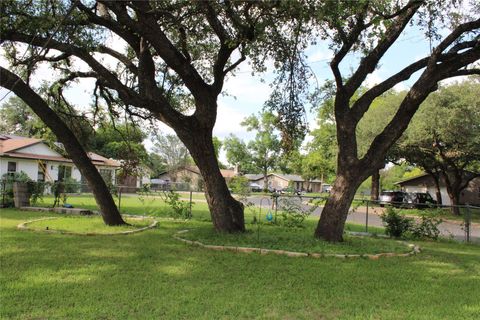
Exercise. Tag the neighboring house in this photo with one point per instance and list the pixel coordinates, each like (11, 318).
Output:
(187, 177)
(41, 163)
(130, 183)
(425, 183)
(279, 181)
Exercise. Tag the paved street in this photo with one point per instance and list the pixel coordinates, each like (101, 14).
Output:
(358, 216)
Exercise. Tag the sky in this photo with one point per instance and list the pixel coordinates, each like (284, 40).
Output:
(245, 94)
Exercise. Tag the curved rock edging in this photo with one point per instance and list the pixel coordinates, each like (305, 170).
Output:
(414, 250)
(23, 226)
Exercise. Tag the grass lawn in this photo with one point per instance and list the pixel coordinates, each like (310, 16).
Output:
(150, 275)
(86, 224)
(296, 239)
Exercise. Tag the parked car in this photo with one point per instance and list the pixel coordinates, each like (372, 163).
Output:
(393, 198)
(255, 187)
(291, 190)
(419, 200)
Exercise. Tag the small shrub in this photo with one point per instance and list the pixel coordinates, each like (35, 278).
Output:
(396, 225)
(71, 185)
(293, 212)
(7, 186)
(426, 229)
(37, 190)
(240, 185)
(180, 209)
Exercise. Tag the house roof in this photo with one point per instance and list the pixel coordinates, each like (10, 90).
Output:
(11, 145)
(98, 159)
(253, 176)
(426, 176)
(411, 179)
(286, 177)
(227, 173)
(194, 169)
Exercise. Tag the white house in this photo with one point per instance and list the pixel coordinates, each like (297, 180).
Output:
(425, 183)
(41, 163)
(279, 181)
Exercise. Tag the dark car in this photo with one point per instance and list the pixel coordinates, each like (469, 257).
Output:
(393, 198)
(419, 200)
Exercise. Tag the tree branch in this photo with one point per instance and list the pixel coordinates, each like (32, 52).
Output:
(369, 62)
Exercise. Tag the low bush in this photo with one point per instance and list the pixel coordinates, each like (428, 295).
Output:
(180, 209)
(426, 229)
(396, 225)
(293, 212)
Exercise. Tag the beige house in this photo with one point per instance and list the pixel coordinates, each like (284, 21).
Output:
(279, 181)
(189, 177)
(425, 183)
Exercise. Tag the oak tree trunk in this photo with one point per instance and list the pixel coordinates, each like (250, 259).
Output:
(438, 193)
(226, 212)
(454, 196)
(375, 190)
(334, 214)
(453, 182)
(109, 211)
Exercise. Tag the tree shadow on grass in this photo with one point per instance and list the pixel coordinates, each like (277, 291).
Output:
(151, 275)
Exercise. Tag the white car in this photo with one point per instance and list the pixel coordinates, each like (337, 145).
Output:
(255, 187)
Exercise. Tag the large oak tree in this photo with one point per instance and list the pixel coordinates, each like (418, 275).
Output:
(176, 58)
(370, 28)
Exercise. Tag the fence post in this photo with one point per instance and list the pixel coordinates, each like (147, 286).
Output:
(4, 190)
(276, 207)
(119, 198)
(366, 218)
(191, 203)
(467, 223)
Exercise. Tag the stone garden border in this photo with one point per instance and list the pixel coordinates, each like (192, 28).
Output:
(414, 250)
(23, 226)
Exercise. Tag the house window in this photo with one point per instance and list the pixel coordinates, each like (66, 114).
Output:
(64, 172)
(11, 168)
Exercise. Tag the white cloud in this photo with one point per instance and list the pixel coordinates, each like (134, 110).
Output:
(228, 121)
(401, 87)
(372, 79)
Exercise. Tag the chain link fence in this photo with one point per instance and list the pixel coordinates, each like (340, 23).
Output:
(463, 227)
(365, 212)
(62, 190)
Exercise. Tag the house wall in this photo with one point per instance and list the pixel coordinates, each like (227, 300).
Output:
(470, 195)
(30, 167)
(39, 148)
(182, 176)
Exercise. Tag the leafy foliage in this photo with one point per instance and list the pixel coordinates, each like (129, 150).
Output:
(239, 185)
(7, 186)
(180, 209)
(396, 225)
(292, 211)
(427, 228)
(171, 151)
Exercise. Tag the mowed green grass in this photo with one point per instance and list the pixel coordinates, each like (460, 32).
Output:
(150, 275)
(294, 239)
(86, 224)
